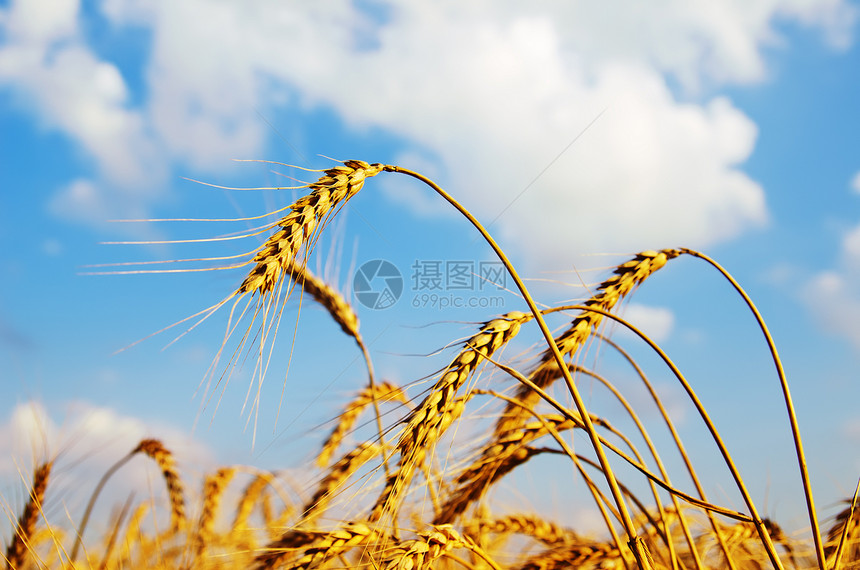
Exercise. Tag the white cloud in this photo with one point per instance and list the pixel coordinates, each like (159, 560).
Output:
(75, 92)
(491, 92)
(833, 296)
(851, 247)
(494, 99)
(855, 183)
(86, 442)
(834, 301)
(656, 322)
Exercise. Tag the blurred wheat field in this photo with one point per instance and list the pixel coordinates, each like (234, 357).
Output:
(419, 491)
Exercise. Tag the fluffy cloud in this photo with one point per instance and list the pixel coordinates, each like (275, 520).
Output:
(91, 439)
(835, 302)
(51, 70)
(833, 296)
(490, 93)
(656, 322)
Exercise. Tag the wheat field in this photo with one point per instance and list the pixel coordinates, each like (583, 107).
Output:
(419, 492)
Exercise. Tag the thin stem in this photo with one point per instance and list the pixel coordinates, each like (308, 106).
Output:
(838, 556)
(88, 511)
(792, 417)
(663, 473)
(637, 546)
(638, 466)
(762, 531)
(682, 450)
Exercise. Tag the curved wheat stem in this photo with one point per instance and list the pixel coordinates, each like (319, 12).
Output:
(684, 456)
(843, 533)
(789, 405)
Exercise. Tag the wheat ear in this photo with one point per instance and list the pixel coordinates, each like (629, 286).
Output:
(529, 525)
(156, 451)
(585, 556)
(26, 525)
(338, 473)
(309, 549)
(386, 391)
(626, 277)
(296, 229)
(250, 496)
(213, 491)
(430, 546)
(427, 422)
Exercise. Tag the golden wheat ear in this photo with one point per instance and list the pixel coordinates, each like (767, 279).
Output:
(25, 528)
(429, 421)
(626, 277)
(382, 392)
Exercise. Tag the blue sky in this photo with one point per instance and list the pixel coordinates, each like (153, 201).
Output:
(583, 134)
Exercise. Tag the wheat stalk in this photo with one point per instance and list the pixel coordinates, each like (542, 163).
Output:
(334, 187)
